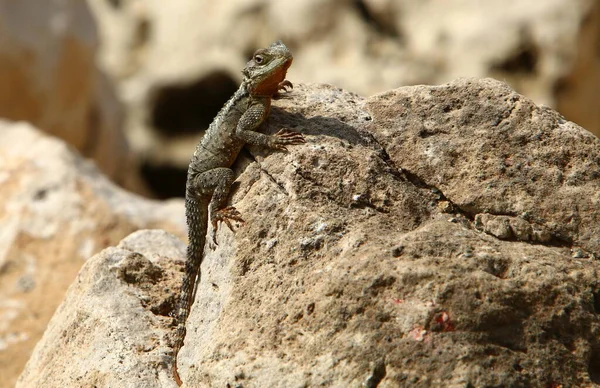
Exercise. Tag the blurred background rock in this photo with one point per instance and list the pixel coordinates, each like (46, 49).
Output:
(132, 84)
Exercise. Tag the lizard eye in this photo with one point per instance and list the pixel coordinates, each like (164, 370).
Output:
(258, 59)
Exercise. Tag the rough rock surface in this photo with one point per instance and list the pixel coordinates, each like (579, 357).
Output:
(49, 78)
(427, 236)
(176, 66)
(113, 320)
(56, 211)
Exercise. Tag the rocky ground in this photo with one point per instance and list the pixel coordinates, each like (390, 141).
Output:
(426, 236)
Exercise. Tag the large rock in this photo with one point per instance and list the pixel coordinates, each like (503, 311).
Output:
(49, 78)
(427, 236)
(57, 210)
(176, 66)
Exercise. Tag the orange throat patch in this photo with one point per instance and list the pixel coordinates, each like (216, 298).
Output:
(270, 85)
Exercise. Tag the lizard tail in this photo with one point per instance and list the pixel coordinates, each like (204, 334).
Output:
(197, 219)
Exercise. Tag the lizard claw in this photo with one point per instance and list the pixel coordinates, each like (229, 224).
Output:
(286, 137)
(176, 375)
(226, 215)
(283, 85)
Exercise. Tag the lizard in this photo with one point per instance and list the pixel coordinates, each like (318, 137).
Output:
(209, 175)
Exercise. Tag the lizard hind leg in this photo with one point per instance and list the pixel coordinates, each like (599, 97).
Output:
(217, 183)
(226, 215)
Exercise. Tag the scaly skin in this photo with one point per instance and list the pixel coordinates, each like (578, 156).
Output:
(209, 174)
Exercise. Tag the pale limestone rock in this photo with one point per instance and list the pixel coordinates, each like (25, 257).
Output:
(112, 329)
(57, 210)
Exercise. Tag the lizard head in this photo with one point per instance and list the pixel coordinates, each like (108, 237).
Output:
(267, 69)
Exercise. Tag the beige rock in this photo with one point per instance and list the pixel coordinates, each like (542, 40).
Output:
(113, 320)
(497, 152)
(362, 262)
(49, 78)
(57, 210)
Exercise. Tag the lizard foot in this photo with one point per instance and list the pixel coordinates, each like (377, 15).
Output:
(283, 85)
(226, 215)
(285, 137)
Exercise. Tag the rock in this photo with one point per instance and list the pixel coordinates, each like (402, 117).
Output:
(500, 155)
(57, 211)
(49, 78)
(122, 342)
(387, 251)
(176, 66)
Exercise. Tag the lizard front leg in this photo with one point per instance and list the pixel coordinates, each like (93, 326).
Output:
(253, 118)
